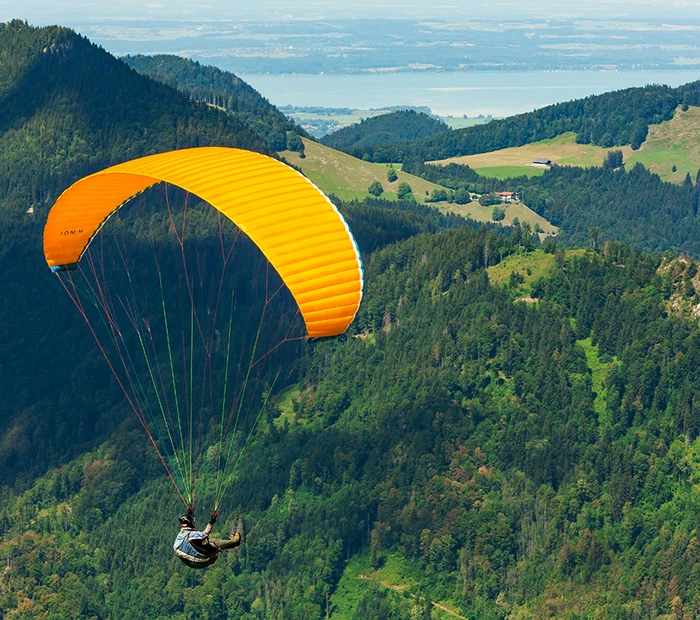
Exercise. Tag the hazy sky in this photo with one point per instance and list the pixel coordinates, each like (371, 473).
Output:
(70, 12)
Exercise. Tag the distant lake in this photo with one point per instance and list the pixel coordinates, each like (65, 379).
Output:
(500, 93)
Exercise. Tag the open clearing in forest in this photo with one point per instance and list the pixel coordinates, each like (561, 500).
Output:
(675, 142)
(396, 573)
(335, 172)
(598, 368)
(285, 404)
(531, 265)
(476, 212)
(517, 161)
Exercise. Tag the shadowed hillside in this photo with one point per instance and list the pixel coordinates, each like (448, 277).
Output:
(68, 108)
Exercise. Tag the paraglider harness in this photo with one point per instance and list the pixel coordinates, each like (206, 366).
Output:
(187, 551)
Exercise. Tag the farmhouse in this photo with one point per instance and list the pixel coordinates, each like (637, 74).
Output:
(508, 196)
(542, 162)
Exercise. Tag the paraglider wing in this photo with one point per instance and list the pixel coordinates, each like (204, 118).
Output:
(296, 227)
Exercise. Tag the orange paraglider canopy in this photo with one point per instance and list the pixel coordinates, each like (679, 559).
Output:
(292, 222)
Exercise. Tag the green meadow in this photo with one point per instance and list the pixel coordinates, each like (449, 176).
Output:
(668, 144)
(347, 177)
(531, 265)
(508, 172)
(517, 161)
(672, 143)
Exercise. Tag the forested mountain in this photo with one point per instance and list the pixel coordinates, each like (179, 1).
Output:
(611, 119)
(376, 222)
(224, 90)
(68, 108)
(517, 459)
(524, 450)
(385, 129)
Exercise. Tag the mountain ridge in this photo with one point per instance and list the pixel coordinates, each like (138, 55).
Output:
(65, 112)
(222, 89)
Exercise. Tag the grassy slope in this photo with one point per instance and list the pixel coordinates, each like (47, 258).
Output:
(476, 212)
(348, 177)
(515, 161)
(675, 142)
(539, 264)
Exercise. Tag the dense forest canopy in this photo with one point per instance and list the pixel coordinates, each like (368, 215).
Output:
(393, 128)
(224, 90)
(502, 449)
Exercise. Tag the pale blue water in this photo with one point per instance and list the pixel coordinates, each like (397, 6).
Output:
(500, 93)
